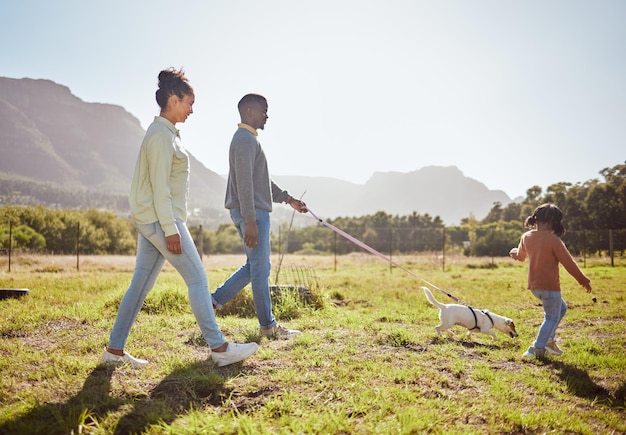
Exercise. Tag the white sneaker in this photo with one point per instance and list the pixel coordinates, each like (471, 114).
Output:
(553, 349)
(533, 352)
(235, 352)
(278, 331)
(112, 359)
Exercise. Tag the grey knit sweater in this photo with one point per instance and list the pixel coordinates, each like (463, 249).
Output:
(249, 186)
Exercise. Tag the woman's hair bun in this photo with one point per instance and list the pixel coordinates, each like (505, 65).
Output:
(172, 82)
(166, 76)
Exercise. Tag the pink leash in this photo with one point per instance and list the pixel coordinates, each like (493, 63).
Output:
(378, 254)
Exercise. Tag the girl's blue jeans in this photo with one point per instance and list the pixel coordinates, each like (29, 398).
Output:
(151, 255)
(554, 308)
(256, 270)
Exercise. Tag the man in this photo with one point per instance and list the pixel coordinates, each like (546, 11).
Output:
(249, 197)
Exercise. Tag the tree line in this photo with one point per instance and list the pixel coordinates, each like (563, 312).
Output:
(594, 211)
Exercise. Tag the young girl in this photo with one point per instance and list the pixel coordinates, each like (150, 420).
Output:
(545, 250)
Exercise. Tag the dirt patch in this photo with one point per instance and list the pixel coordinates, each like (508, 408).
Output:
(46, 337)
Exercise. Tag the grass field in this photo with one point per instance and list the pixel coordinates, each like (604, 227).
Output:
(368, 362)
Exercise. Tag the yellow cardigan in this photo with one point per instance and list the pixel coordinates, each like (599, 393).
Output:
(160, 185)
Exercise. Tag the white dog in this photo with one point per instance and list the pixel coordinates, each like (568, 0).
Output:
(473, 320)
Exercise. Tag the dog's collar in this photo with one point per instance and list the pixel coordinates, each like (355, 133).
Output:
(485, 312)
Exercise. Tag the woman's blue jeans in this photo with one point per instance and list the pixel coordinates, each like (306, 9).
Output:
(255, 271)
(151, 255)
(554, 308)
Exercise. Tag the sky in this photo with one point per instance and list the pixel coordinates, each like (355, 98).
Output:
(514, 93)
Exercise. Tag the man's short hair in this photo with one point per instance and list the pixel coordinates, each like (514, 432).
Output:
(250, 99)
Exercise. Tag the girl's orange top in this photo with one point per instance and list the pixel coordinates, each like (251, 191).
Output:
(545, 251)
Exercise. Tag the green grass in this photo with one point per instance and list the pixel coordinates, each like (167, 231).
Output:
(369, 360)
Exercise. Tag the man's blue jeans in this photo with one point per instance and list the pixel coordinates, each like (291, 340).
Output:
(255, 271)
(554, 308)
(151, 255)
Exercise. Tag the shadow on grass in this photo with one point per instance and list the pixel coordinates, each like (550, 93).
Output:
(580, 384)
(465, 343)
(192, 386)
(62, 418)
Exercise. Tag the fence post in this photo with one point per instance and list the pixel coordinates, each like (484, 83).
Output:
(390, 249)
(443, 249)
(201, 241)
(491, 247)
(335, 249)
(77, 246)
(611, 252)
(585, 248)
(10, 242)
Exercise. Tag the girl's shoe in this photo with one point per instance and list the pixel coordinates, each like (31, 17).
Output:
(534, 353)
(552, 348)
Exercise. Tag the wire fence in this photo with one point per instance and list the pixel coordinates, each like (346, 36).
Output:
(603, 245)
(585, 244)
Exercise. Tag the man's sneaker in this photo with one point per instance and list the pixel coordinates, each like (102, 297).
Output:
(534, 353)
(278, 331)
(112, 359)
(552, 348)
(234, 353)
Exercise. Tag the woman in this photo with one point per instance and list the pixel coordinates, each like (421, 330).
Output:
(158, 203)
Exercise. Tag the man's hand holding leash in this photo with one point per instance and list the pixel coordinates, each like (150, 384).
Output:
(296, 204)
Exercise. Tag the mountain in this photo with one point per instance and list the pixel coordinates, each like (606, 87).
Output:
(434, 190)
(49, 136)
(56, 149)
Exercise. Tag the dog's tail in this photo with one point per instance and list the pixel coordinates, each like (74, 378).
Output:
(432, 299)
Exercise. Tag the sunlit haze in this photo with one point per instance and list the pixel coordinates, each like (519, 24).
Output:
(515, 94)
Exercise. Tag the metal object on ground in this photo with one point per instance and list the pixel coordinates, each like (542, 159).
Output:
(301, 279)
(303, 292)
(6, 293)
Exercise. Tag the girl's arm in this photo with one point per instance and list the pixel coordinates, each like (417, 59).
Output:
(568, 262)
(519, 253)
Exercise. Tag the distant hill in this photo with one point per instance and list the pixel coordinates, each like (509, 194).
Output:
(434, 190)
(54, 139)
(58, 150)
